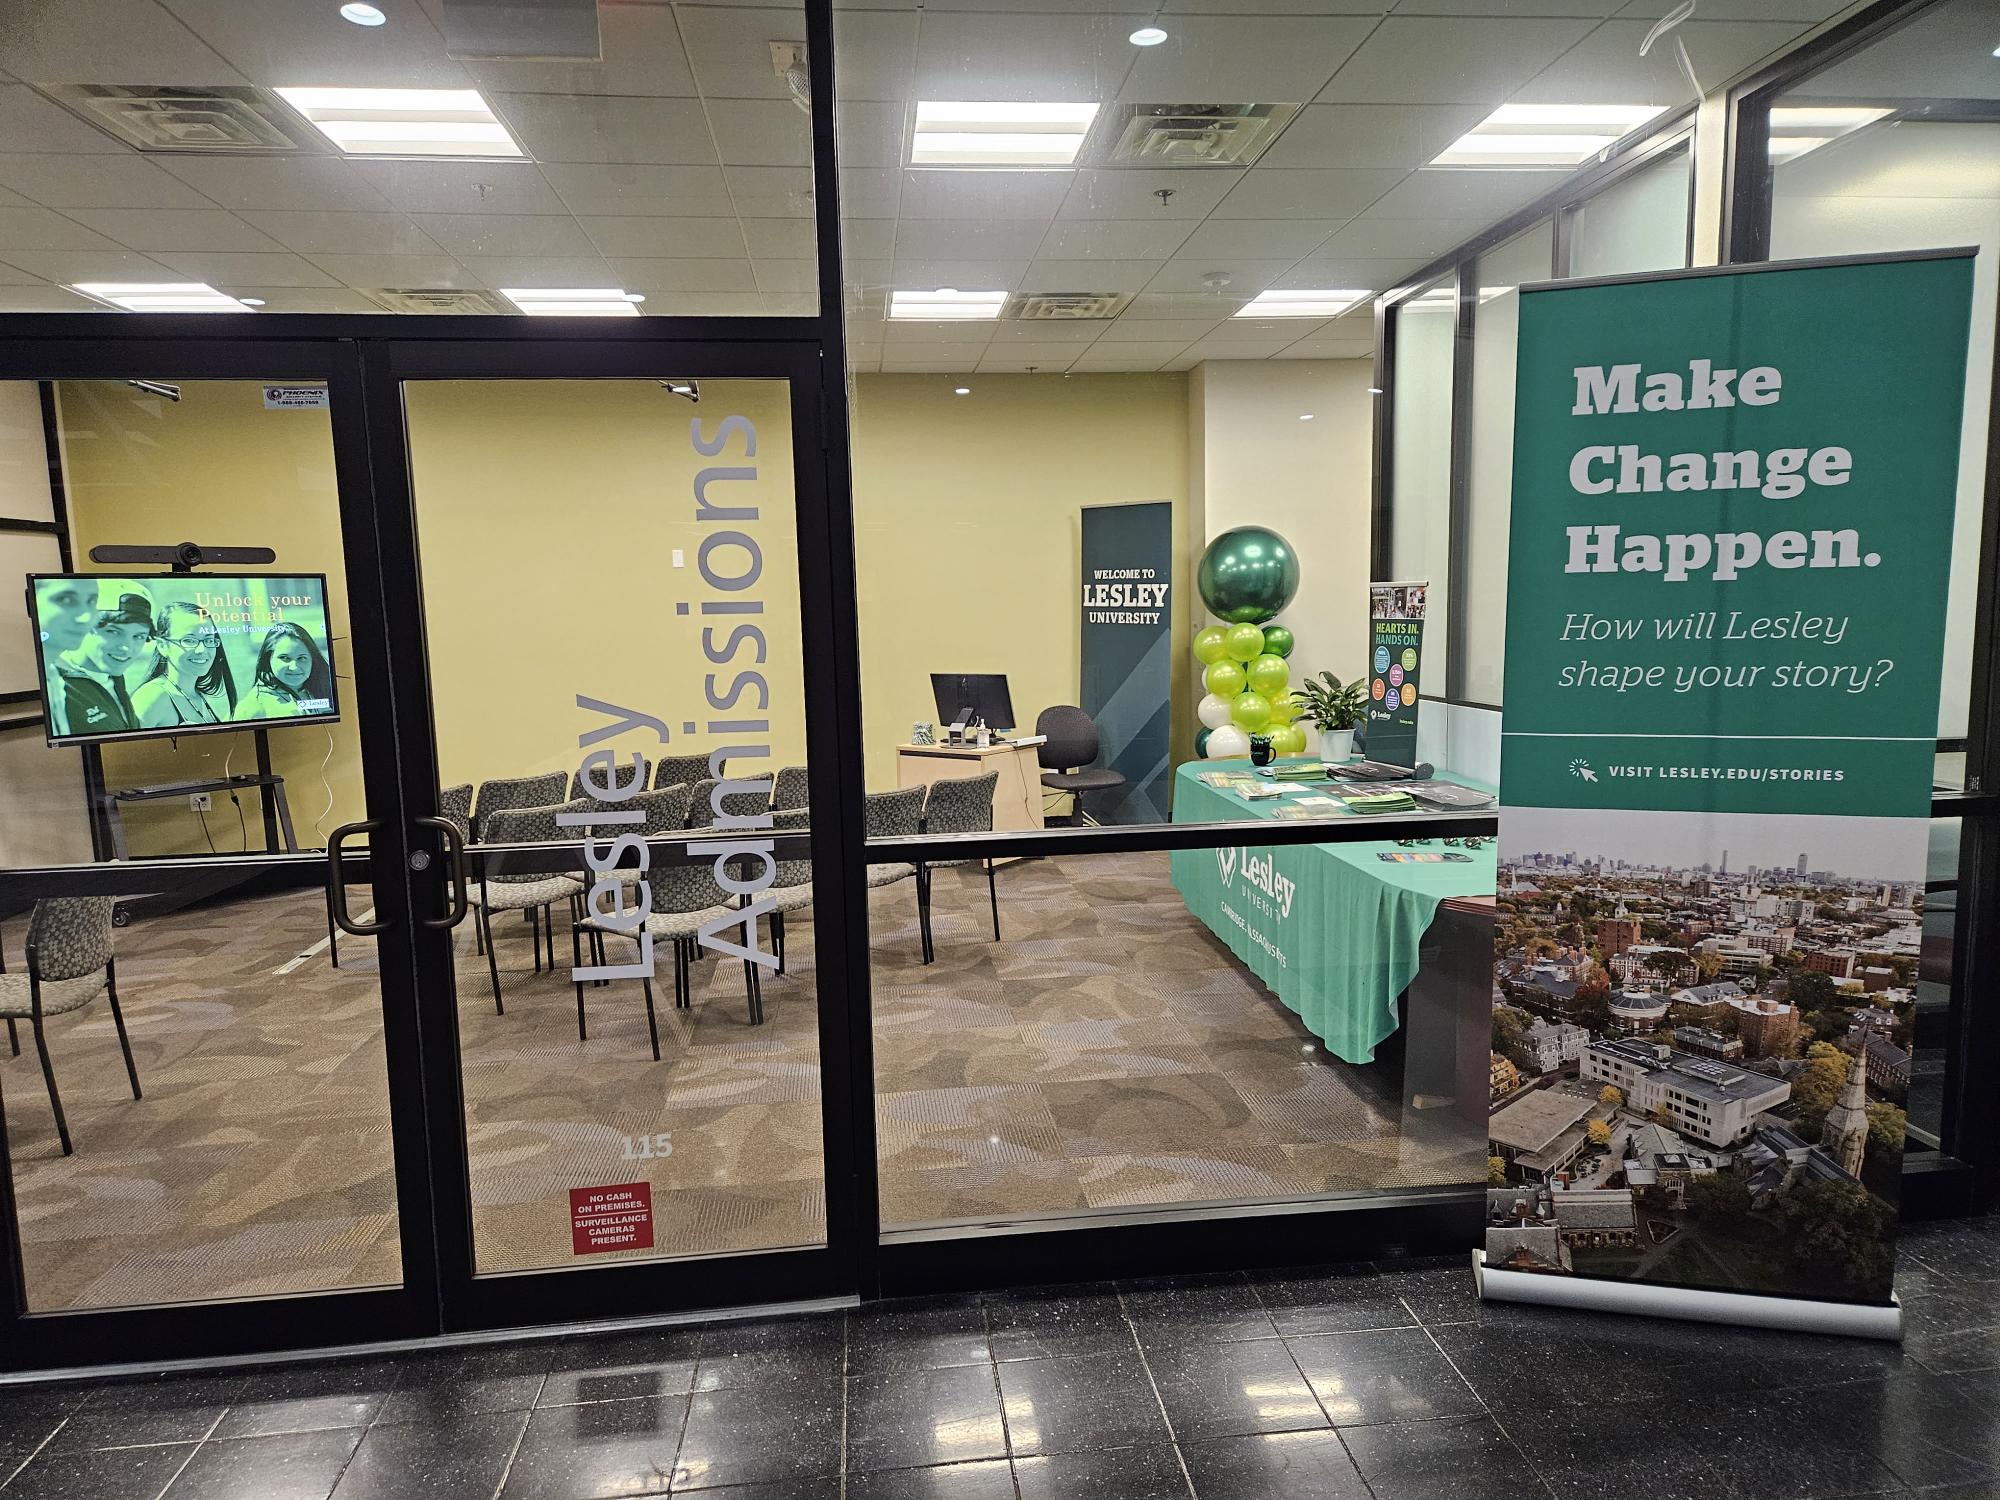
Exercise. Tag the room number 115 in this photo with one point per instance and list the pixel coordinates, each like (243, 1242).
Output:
(646, 1147)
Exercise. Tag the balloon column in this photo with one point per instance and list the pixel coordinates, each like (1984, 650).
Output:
(1245, 578)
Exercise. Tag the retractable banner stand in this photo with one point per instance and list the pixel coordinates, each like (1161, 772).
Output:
(1128, 565)
(1733, 496)
(1395, 658)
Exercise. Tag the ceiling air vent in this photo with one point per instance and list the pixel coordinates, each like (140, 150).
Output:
(433, 300)
(226, 117)
(1055, 307)
(1194, 135)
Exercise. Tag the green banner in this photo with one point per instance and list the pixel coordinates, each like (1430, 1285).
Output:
(1733, 498)
(1395, 662)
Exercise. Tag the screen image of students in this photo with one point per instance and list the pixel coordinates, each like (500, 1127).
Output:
(191, 681)
(292, 677)
(95, 699)
(65, 613)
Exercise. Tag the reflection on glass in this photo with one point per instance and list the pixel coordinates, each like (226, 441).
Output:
(1420, 455)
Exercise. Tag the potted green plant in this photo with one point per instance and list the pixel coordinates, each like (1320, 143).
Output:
(1334, 710)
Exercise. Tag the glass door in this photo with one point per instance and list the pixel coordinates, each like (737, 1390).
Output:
(631, 1023)
(210, 1051)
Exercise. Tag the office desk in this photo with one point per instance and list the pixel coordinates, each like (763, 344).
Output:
(1017, 795)
(1332, 929)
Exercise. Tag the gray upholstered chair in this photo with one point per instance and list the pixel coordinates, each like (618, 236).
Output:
(666, 812)
(790, 791)
(897, 815)
(959, 805)
(679, 770)
(701, 805)
(1069, 745)
(619, 775)
(791, 886)
(531, 891)
(455, 807)
(70, 963)
(511, 792)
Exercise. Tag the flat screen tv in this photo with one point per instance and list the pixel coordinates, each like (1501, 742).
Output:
(126, 657)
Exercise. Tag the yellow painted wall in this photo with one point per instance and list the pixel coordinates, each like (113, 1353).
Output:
(966, 515)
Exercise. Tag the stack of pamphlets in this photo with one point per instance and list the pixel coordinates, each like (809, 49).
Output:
(1369, 798)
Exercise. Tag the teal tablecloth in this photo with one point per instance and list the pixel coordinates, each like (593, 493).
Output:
(1332, 929)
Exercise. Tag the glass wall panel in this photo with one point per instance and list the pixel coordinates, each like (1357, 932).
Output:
(1426, 339)
(1639, 223)
(1499, 275)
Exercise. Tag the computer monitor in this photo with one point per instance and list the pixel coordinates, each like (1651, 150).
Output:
(969, 695)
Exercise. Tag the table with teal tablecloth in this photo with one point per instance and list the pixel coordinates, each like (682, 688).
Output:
(1332, 929)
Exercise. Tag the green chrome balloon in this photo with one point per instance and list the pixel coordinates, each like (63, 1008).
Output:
(1251, 711)
(1243, 642)
(1269, 675)
(1288, 739)
(1208, 644)
(1278, 640)
(1201, 743)
(1285, 708)
(1223, 678)
(1247, 575)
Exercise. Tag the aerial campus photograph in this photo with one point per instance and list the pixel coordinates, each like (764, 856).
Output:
(1701, 1048)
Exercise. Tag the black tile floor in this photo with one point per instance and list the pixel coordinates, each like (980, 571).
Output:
(1388, 1381)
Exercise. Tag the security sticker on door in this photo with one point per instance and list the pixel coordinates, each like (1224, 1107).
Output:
(295, 398)
(618, 1217)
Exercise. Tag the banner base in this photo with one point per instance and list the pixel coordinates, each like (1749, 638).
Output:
(1637, 1298)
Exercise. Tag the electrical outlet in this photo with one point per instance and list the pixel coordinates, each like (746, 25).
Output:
(200, 801)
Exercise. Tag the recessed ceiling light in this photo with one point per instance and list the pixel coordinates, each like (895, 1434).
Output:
(574, 302)
(1305, 416)
(946, 305)
(952, 134)
(361, 15)
(1544, 135)
(1797, 129)
(1147, 36)
(160, 296)
(1303, 304)
(404, 122)
(251, 301)
(964, 390)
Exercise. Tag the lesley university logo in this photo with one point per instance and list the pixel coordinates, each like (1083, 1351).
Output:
(1261, 872)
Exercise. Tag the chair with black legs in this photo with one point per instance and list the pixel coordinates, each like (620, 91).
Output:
(789, 791)
(958, 805)
(665, 812)
(70, 963)
(504, 794)
(679, 770)
(532, 892)
(1069, 745)
(897, 815)
(791, 882)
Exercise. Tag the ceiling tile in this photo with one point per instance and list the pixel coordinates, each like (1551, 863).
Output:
(1088, 275)
(697, 238)
(697, 192)
(105, 41)
(282, 299)
(1202, 307)
(1463, 193)
(28, 122)
(1025, 362)
(780, 239)
(760, 132)
(45, 299)
(926, 366)
(647, 274)
(221, 268)
(1398, 239)
(967, 239)
(1059, 57)
(1255, 238)
(870, 134)
(877, 51)
(1103, 358)
(1370, 135)
(1192, 193)
(730, 48)
(376, 271)
(900, 339)
(470, 187)
(149, 230)
(1246, 277)
(771, 192)
(1450, 60)
(70, 266)
(1808, 11)
(664, 303)
(465, 235)
(600, 128)
(1237, 349)
(1606, 66)
(540, 270)
(1338, 195)
(277, 45)
(29, 228)
(1583, 8)
(1126, 239)
(1337, 272)
(939, 193)
(320, 183)
(311, 231)
(1279, 7)
(786, 275)
(1074, 331)
(966, 275)
(861, 239)
(1242, 60)
(1179, 331)
(871, 192)
(61, 180)
(1329, 349)
(642, 56)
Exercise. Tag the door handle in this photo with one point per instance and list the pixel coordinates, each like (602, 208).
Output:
(336, 882)
(454, 853)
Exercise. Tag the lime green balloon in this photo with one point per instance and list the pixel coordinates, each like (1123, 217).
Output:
(1208, 644)
(1278, 640)
(1285, 708)
(1248, 574)
(1223, 678)
(1288, 739)
(1269, 675)
(1243, 642)
(1251, 711)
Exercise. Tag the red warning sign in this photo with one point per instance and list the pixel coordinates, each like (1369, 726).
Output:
(619, 1217)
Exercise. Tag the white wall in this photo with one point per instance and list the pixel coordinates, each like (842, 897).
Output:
(1309, 481)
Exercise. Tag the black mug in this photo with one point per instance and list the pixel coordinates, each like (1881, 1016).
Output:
(1260, 749)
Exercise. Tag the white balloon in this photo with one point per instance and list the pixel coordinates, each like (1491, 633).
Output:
(1228, 743)
(1213, 711)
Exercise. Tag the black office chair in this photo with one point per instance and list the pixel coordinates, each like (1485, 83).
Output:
(1069, 746)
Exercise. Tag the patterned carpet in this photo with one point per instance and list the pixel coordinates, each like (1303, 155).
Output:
(1108, 1053)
